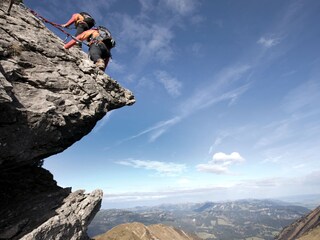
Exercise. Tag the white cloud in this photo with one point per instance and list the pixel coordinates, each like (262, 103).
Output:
(268, 42)
(158, 44)
(172, 85)
(152, 41)
(162, 168)
(220, 163)
(222, 157)
(133, 30)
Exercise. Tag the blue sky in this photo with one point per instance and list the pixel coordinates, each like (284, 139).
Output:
(227, 101)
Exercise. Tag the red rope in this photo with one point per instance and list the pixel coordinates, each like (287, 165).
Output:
(52, 23)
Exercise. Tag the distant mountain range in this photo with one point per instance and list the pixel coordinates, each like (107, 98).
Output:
(243, 219)
(310, 201)
(138, 231)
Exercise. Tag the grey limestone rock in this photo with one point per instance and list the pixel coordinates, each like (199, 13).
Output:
(49, 99)
(71, 219)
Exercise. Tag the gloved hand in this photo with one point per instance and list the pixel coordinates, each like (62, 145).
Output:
(64, 25)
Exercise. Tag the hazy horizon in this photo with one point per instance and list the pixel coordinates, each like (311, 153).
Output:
(299, 200)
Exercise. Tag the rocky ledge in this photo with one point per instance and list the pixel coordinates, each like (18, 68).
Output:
(49, 99)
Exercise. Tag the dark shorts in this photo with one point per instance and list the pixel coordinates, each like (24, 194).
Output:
(81, 27)
(97, 51)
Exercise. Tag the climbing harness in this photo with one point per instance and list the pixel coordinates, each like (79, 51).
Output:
(54, 25)
(104, 37)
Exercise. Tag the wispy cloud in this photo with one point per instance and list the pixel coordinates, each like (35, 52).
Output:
(228, 85)
(162, 168)
(157, 130)
(298, 100)
(151, 40)
(133, 197)
(158, 44)
(151, 32)
(302, 165)
(287, 25)
(268, 42)
(301, 122)
(216, 143)
(221, 89)
(272, 159)
(182, 7)
(275, 132)
(220, 163)
(102, 122)
(162, 194)
(117, 66)
(147, 5)
(171, 84)
(197, 50)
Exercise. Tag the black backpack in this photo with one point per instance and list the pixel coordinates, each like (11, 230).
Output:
(105, 37)
(88, 19)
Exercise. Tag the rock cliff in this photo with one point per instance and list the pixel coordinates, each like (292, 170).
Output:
(305, 228)
(49, 99)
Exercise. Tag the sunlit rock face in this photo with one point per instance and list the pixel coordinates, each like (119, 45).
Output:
(138, 231)
(49, 99)
(305, 228)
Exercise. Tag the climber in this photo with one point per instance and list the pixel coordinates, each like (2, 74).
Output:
(100, 43)
(83, 21)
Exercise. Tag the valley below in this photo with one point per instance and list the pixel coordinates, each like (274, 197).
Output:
(243, 219)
